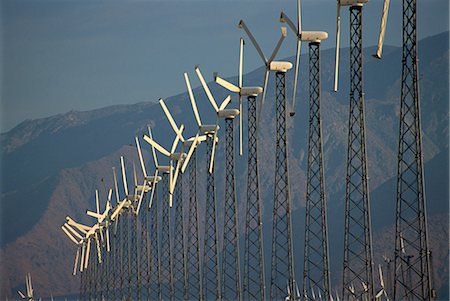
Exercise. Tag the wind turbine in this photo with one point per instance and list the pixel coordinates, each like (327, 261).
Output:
(253, 262)
(357, 250)
(29, 295)
(211, 277)
(231, 287)
(316, 261)
(382, 291)
(270, 64)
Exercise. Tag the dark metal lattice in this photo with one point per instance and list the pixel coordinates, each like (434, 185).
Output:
(358, 259)
(134, 285)
(144, 270)
(412, 261)
(231, 281)
(154, 258)
(179, 264)
(254, 278)
(316, 270)
(166, 248)
(211, 277)
(282, 275)
(194, 279)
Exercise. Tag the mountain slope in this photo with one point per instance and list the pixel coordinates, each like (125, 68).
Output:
(52, 166)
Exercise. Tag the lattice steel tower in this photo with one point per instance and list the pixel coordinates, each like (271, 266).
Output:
(179, 263)
(282, 274)
(358, 259)
(316, 269)
(166, 272)
(231, 281)
(211, 276)
(194, 279)
(254, 278)
(154, 259)
(411, 217)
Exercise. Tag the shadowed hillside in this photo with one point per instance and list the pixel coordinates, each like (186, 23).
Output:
(51, 166)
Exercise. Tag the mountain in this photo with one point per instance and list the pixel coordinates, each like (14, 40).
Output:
(52, 166)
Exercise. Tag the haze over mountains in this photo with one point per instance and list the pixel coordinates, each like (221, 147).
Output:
(51, 167)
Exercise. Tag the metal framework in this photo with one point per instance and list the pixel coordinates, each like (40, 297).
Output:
(411, 217)
(254, 278)
(179, 263)
(358, 259)
(144, 271)
(211, 276)
(316, 269)
(166, 274)
(231, 280)
(282, 276)
(154, 259)
(194, 279)
(134, 282)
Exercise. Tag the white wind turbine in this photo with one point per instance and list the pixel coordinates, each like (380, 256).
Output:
(338, 34)
(270, 64)
(302, 36)
(29, 295)
(172, 155)
(83, 243)
(382, 291)
(242, 91)
(204, 129)
(190, 143)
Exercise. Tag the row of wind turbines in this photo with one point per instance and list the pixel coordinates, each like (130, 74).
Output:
(135, 255)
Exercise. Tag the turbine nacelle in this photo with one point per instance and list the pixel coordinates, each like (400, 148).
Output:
(228, 113)
(280, 66)
(313, 36)
(251, 91)
(164, 169)
(208, 129)
(352, 2)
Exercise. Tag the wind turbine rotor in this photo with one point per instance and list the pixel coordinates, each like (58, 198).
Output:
(384, 17)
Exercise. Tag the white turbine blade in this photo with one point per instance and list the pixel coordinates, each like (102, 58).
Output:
(211, 164)
(384, 17)
(241, 61)
(72, 230)
(277, 48)
(21, 295)
(29, 290)
(153, 189)
(266, 78)
(108, 248)
(134, 178)
(155, 159)
(117, 211)
(227, 85)
(240, 125)
(124, 176)
(158, 147)
(191, 97)
(141, 158)
(225, 102)
(88, 250)
(285, 19)
(175, 142)
(109, 196)
(82, 228)
(116, 187)
(297, 64)
(378, 295)
(299, 17)
(381, 276)
(170, 118)
(97, 205)
(338, 37)
(170, 182)
(75, 266)
(141, 196)
(252, 39)
(69, 235)
(94, 214)
(189, 154)
(175, 177)
(206, 88)
(83, 254)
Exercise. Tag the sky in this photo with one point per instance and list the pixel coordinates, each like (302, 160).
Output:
(62, 55)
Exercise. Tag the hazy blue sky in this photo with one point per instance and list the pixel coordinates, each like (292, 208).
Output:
(66, 55)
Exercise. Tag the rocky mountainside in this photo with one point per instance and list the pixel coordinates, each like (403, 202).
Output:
(52, 166)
